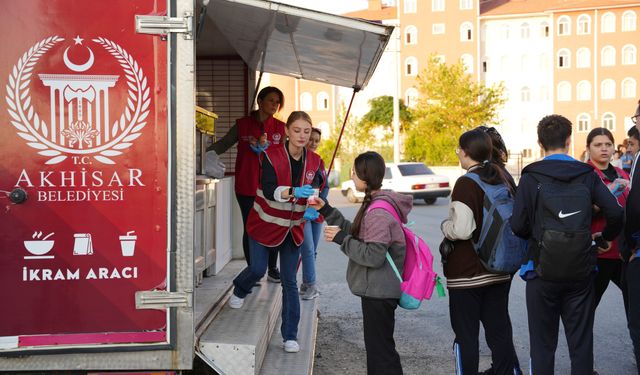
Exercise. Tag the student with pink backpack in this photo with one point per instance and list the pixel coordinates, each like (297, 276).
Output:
(373, 234)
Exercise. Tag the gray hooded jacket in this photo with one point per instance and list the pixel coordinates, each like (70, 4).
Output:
(368, 273)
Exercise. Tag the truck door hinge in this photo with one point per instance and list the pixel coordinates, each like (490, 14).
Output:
(164, 25)
(159, 299)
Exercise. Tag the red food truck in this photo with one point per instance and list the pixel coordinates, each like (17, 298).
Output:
(116, 253)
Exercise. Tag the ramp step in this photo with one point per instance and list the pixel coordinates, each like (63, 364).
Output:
(236, 340)
(278, 362)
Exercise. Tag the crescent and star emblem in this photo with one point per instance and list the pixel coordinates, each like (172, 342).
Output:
(76, 67)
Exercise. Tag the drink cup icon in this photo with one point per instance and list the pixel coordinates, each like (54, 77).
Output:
(128, 244)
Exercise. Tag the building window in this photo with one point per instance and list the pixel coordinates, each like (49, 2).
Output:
(504, 32)
(411, 97)
(564, 58)
(544, 62)
(629, 55)
(608, 56)
(306, 101)
(544, 93)
(437, 5)
(524, 31)
(437, 28)
(504, 63)
(629, 21)
(584, 25)
(440, 59)
(609, 121)
(410, 6)
(583, 58)
(608, 89)
(466, 4)
(411, 35)
(525, 94)
(467, 61)
(411, 66)
(485, 64)
(525, 64)
(584, 122)
(564, 25)
(323, 101)
(608, 23)
(564, 91)
(466, 32)
(526, 153)
(583, 91)
(629, 88)
(544, 29)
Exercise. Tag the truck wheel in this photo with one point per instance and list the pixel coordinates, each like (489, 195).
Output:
(351, 196)
(430, 200)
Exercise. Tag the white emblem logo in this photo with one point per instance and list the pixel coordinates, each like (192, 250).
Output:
(276, 138)
(310, 175)
(79, 121)
(562, 216)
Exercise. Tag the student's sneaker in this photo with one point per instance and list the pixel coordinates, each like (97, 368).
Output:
(303, 288)
(291, 346)
(310, 293)
(273, 275)
(235, 302)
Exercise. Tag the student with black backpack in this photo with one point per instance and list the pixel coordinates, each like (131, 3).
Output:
(553, 210)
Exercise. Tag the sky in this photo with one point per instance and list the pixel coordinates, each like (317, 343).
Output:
(329, 6)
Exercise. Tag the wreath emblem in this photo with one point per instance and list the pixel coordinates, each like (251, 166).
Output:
(35, 130)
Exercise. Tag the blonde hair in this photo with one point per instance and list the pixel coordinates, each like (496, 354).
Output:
(297, 115)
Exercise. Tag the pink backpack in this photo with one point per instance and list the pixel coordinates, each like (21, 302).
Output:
(418, 279)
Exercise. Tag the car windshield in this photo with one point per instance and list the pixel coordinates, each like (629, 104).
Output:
(414, 169)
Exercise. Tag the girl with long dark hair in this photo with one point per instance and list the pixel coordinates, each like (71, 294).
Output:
(475, 294)
(366, 242)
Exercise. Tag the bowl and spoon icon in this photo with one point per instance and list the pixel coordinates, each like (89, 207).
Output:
(39, 247)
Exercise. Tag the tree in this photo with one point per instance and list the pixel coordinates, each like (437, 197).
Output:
(381, 115)
(450, 103)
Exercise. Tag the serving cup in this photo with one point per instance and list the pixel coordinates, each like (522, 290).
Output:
(39, 247)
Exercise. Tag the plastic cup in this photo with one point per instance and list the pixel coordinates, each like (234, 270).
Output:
(128, 244)
(312, 198)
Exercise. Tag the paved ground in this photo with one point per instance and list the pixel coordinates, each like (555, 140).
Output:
(424, 337)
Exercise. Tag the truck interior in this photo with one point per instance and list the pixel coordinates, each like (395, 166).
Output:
(237, 41)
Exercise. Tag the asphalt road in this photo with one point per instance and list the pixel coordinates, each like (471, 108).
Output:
(424, 337)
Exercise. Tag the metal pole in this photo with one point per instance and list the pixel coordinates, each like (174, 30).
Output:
(396, 93)
(344, 123)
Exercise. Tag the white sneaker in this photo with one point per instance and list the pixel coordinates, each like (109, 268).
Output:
(291, 346)
(310, 293)
(235, 302)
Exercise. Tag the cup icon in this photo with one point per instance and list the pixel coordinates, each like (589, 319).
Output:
(314, 196)
(128, 244)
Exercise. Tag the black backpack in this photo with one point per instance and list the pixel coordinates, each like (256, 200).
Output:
(562, 230)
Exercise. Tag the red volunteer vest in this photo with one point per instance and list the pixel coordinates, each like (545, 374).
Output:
(598, 222)
(270, 221)
(247, 161)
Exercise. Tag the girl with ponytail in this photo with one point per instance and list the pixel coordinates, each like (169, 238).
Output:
(366, 242)
(475, 294)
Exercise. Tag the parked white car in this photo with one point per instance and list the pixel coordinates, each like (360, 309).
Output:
(415, 179)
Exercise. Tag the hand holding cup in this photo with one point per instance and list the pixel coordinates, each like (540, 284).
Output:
(330, 232)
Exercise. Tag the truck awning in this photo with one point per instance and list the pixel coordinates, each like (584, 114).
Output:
(292, 41)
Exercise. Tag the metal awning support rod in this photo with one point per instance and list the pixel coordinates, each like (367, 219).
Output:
(344, 123)
(255, 92)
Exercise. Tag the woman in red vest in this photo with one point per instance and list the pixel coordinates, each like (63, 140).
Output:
(254, 134)
(611, 267)
(276, 221)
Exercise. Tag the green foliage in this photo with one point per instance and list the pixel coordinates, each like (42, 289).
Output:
(451, 102)
(381, 113)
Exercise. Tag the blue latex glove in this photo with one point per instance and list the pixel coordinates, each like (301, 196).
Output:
(258, 149)
(304, 191)
(310, 214)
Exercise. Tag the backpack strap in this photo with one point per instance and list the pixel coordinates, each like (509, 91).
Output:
(383, 204)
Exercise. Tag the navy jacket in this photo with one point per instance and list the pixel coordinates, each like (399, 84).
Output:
(632, 224)
(566, 169)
